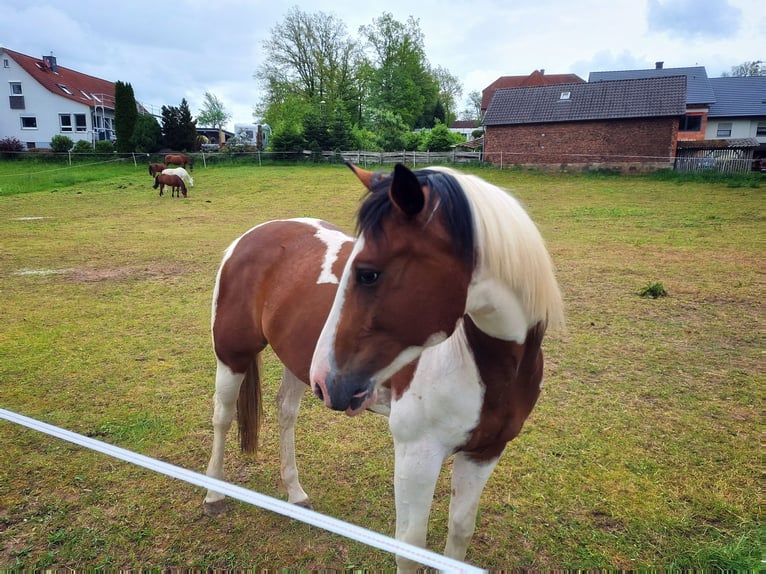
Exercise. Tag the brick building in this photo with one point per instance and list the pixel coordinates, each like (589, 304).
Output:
(628, 124)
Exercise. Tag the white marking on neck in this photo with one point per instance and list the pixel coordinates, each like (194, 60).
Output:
(496, 310)
(334, 240)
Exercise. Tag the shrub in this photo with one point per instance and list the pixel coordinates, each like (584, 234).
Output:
(83, 146)
(104, 146)
(61, 143)
(10, 147)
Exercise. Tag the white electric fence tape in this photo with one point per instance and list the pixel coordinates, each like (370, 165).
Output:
(351, 531)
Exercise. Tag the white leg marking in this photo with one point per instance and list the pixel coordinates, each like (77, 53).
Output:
(227, 385)
(288, 402)
(468, 481)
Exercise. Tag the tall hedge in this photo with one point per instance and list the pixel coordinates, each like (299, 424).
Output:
(125, 116)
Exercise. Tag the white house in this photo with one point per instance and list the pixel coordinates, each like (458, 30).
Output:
(46, 99)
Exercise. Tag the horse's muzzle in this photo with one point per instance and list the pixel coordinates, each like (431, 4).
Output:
(352, 395)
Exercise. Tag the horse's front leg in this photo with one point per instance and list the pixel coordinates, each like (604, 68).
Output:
(227, 385)
(468, 480)
(288, 403)
(416, 469)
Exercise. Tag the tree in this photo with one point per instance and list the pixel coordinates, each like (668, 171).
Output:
(178, 128)
(213, 114)
(746, 69)
(397, 72)
(147, 137)
(309, 58)
(473, 111)
(450, 90)
(125, 116)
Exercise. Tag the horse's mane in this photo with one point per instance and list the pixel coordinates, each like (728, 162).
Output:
(508, 245)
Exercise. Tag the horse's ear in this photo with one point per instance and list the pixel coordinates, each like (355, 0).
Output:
(366, 177)
(406, 192)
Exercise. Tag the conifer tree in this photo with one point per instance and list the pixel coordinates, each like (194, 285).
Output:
(125, 116)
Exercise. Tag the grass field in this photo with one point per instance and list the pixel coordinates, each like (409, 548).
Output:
(643, 451)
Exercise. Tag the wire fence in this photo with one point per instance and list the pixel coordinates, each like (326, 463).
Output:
(312, 517)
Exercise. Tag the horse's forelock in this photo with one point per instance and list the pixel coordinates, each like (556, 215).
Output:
(446, 195)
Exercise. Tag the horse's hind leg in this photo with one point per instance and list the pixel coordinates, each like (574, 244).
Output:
(227, 385)
(468, 481)
(288, 402)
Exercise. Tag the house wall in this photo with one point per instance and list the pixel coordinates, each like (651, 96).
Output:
(643, 142)
(740, 128)
(39, 103)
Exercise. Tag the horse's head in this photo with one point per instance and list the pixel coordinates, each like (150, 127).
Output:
(404, 286)
(156, 182)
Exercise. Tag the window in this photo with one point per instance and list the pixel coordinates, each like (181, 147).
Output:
(85, 95)
(16, 97)
(16, 89)
(690, 124)
(565, 95)
(65, 122)
(79, 123)
(724, 130)
(6, 63)
(28, 123)
(64, 89)
(760, 131)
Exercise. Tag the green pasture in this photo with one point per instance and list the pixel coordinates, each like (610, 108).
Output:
(643, 452)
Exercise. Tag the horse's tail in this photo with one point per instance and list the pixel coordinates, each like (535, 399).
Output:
(250, 407)
(150, 170)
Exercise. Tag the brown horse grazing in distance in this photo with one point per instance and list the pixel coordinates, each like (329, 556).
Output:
(155, 168)
(176, 184)
(179, 159)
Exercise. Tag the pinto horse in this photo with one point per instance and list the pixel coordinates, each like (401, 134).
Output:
(177, 186)
(434, 315)
(180, 160)
(155, 168)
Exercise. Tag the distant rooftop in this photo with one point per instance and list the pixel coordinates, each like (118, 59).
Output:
(698, 89)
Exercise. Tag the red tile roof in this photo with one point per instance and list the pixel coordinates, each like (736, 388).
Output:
(536, 78)
(52, 76)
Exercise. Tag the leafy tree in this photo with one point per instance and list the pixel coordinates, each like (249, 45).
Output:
(450, 90)
(399, 79)
(147, 137)
(440, 138)
(125, 116)
(178, 128)
(213, 114)
(746, 69)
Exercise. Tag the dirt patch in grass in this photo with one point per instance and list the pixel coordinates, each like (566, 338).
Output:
(96, 274)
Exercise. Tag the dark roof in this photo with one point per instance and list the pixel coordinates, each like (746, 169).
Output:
(652, 97)
(739, 96)
(732, 143)
(463, 124)
(51, 76)
(698, 90)
(536, 78)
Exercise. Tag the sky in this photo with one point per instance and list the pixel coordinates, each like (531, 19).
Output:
(169, 51)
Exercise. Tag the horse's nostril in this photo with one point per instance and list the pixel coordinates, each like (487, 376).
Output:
(318, 393)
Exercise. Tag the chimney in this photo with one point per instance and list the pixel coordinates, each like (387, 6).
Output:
(542, 70)
(658, 65)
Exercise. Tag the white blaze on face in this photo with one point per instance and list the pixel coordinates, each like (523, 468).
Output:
(320, 362)
(334, 241)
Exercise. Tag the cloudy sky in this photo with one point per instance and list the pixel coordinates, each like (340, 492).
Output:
(178, 49)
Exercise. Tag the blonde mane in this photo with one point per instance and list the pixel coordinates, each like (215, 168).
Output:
(511, 249)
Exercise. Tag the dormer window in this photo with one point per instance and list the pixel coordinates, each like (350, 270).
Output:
(64, 89)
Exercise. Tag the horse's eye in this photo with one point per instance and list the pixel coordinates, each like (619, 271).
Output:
(367, 277)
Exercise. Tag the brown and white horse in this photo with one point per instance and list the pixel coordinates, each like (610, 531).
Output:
(179, 159)
(434, 316)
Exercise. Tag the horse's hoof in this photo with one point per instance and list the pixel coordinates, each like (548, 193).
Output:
(305, 504)
(215, 508)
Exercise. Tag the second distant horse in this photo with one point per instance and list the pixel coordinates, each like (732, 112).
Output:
(179, 159)
(155, 168)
